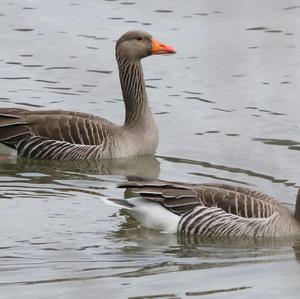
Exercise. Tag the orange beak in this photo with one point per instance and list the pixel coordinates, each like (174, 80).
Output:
(160, 48)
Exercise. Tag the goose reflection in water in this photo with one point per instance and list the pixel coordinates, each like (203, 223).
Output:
(148, 166)
(42, 178)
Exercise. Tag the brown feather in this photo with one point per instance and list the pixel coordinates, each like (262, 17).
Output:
(18, 126)
(181, 197)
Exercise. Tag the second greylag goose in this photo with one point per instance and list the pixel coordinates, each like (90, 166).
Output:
(208, 209)
(58, 135)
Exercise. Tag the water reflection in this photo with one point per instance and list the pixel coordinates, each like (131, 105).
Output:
(229, 169)
(296, 248)
(199, 293)
(29, 178)
(291, 7)
(186, 253)
(202, 293)
(147, 166)
(272, 141)
(156, 296)
(290, 144)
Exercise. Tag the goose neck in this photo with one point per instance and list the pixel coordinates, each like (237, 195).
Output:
(134, 92)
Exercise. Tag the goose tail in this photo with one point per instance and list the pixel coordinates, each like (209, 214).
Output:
(121, 203)
(151, 215)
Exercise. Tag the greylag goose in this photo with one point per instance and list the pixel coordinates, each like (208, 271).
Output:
(58, 135)
(208, 209)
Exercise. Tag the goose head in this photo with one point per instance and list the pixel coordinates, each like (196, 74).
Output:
(135, 45)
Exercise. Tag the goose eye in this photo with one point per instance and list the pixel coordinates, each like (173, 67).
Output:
(139, 38)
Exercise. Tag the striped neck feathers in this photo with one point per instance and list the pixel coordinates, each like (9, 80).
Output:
(134, 91)
(297, 208)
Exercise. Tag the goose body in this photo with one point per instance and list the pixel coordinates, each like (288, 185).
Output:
(209, 209)
(57, 134)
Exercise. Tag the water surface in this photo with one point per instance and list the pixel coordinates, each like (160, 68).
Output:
(227, 105)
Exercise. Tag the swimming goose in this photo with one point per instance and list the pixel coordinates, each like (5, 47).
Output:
(208, 209)
(58, 135)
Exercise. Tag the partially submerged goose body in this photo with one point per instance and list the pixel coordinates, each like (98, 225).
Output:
(67, 135)
(209, 209)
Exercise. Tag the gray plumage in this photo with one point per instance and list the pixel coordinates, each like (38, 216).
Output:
(219, 210)
(70, 135)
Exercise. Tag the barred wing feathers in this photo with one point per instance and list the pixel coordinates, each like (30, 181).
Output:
(217, 209)
(182, 197)
(54, 134)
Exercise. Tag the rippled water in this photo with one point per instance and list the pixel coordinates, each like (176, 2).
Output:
(227, 105)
